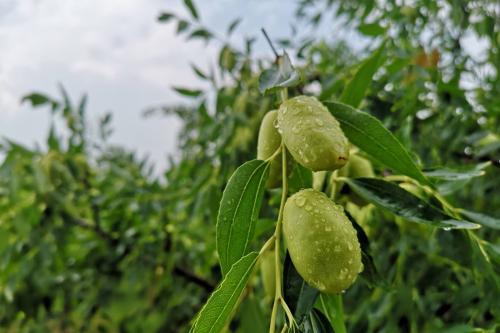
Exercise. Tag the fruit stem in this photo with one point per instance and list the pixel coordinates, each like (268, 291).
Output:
(276, 153)
(267, 244)
(277, 235)
(284, 94)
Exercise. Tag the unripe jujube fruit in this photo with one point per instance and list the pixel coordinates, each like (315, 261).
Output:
(359, 167)
(268, 142)
(321, 241)
(312, 135)
(268, 273)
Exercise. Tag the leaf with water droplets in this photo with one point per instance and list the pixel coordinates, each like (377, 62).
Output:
(215, 313)
(368, 133)
(403, 203)
(238, 211)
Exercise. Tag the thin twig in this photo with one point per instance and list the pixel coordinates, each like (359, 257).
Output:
(182, 272)
(269, 42)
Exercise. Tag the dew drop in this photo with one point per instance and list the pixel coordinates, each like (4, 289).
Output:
(320, 286)
(300, 201)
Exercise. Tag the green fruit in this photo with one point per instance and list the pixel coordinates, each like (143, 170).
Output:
(268, 143)
(312, 135)
(268, 273)
(321, 241)
(359, 167)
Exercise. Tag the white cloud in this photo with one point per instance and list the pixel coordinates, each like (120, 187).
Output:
(116, 52)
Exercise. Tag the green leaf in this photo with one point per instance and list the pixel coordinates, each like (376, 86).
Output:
(316, 322)
(482, 219)
(403, 203)
(283, 75)
(370, 272)
(182, 26)
(238, 211)
(192, 9)
(165, 17)
(264, 226)
(356, 89)
(252, 318)
(188, 92)
(299, 296)
(199, 72)
(217, 310)
(368, 133)
(37, 99)
(332, 307)
(457, 174)
(233, 26)
(201, 33)
(371, 29)
(227, 58)
(300, 178)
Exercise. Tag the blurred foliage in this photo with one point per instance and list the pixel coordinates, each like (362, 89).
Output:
(92, 240)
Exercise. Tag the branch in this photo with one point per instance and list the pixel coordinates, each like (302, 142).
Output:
(191, 277)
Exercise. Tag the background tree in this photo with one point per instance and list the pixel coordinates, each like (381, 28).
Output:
(92, 240)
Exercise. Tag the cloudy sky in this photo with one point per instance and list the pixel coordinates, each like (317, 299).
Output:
(118, 54)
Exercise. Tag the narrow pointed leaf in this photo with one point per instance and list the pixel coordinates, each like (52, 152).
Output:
(238, 211)
(356, 89)
(332, 307)
(457, 174)
(482, 219)
(299, 296)
(402, 203)
(300, 178)
(233, 26)
(216, 312)
(368, 133)
(370, 272)
(316, 322)
(192, 9)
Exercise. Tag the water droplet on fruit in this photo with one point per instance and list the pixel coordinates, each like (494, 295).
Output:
(308, 208)
(320, 286)
(319, 122)
(300, 201)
